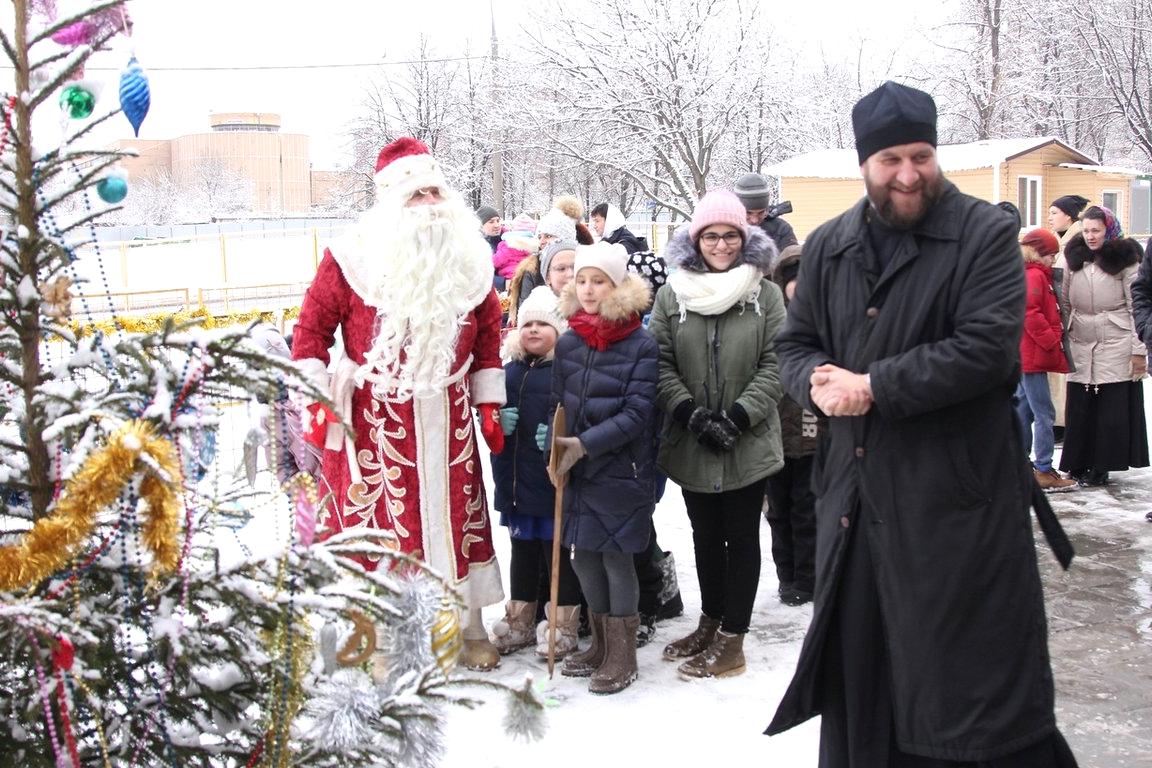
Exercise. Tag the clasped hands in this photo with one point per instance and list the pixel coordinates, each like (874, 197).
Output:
(840, 392)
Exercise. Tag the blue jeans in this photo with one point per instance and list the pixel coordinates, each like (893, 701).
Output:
(1037, 415)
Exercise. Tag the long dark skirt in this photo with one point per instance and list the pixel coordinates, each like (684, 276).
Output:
(856, 728)
(1105, 429)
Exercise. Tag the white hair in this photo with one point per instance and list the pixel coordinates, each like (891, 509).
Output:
(426, 267)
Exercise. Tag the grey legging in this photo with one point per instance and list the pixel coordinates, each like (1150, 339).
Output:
(608, 580)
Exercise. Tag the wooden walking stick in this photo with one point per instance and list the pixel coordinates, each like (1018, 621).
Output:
(558, 430)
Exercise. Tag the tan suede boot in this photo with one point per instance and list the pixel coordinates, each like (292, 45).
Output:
(724, 658)
(694, 643)
(619, 668)
(584, 663)
(567, 629)
(515, 630)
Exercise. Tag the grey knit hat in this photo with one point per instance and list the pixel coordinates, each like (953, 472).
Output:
(752, 189)
(485, 213)
(550, 250)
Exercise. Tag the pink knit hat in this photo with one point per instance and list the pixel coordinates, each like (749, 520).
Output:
(718, 207)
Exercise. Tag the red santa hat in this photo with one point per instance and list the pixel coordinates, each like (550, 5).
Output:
(405, 166)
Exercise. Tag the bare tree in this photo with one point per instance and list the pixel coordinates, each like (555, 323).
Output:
(649, 88)
(1117, 39)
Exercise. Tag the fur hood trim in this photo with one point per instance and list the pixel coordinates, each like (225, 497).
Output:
(1113, 257)
(513, 348)
(790, 256)
(631, 297)
(759, 251)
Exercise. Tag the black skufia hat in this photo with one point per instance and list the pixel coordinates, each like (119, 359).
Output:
(891, 115)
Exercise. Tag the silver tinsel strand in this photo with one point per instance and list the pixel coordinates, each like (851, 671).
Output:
(524, 720)
(422, 740)
(407, 640)
(344, 710)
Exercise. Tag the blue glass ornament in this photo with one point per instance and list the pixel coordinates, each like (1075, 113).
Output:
(134, 94)
(112, 189)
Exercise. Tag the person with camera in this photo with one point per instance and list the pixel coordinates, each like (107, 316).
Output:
(752, 189)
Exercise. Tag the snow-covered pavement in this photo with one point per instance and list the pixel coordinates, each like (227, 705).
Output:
(1100, 623)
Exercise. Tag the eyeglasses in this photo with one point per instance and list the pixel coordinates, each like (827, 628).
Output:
(711, 238)
(426, 192)
(559, 269)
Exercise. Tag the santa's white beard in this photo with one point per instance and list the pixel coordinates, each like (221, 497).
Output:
(434, 269)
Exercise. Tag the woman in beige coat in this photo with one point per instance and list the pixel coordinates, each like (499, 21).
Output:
(1063, 220)
(1105, 403)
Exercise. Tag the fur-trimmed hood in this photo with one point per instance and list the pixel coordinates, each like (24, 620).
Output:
(759, 251)
(782, 271)
(513, 348)
(631, 297)
(1113, 257)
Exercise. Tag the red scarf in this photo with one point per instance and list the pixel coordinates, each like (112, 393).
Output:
(597, 332)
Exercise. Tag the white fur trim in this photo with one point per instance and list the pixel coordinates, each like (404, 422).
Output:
(401, 177)
(314, 371)
(482, 586)
(487, 386)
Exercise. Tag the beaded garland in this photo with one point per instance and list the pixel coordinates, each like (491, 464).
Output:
(53, 540)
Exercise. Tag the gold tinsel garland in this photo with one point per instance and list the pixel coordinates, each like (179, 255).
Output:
(155, 321)
(53, 540)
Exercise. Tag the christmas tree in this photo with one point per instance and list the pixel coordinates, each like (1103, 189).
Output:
(136, 626)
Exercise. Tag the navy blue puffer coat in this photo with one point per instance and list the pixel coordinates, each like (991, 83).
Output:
(519, 471)
(609, 399)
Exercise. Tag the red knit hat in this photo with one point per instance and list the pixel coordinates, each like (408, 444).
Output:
(1042, 240)
(718, 207)
(404, 166)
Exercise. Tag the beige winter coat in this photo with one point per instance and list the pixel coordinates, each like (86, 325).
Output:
(1097, 299)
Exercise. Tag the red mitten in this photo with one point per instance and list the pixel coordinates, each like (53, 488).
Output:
(321, 417)
(490, 426)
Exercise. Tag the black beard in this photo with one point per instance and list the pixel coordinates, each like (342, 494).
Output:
(887, 211)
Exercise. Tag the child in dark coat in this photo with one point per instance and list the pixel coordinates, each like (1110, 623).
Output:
(791, 509)
(605, 377)
(525, 497)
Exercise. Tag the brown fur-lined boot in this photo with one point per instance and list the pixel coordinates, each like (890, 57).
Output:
(567, 629)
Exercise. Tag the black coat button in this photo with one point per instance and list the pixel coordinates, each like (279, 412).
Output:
(844, 521)
(859, 452)
(872, 312)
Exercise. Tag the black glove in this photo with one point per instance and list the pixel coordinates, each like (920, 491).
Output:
(726, 430)
(698, 420)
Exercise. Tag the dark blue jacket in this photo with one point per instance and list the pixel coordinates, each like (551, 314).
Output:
(609, 399)
(519, 471)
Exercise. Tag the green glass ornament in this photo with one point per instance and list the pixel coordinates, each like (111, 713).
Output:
(77, 101)
(112, 189)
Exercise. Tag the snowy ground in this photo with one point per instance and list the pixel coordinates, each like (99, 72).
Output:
(1100, 622)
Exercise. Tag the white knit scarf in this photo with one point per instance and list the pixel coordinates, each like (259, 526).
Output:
(714, 293)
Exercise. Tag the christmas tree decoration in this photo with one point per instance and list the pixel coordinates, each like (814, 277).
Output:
(447, 636)
(77, 101)
(113, 188)
(344, 712)
(57, 297)
(53, 540)
(80, 33)
(135, 98)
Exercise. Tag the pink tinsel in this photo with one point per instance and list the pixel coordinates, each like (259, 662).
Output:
(305, 518)
(80, 33)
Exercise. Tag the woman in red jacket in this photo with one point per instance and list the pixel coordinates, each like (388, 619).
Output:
(1041, 353)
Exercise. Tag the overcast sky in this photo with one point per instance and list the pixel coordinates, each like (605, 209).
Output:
(173, 42)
